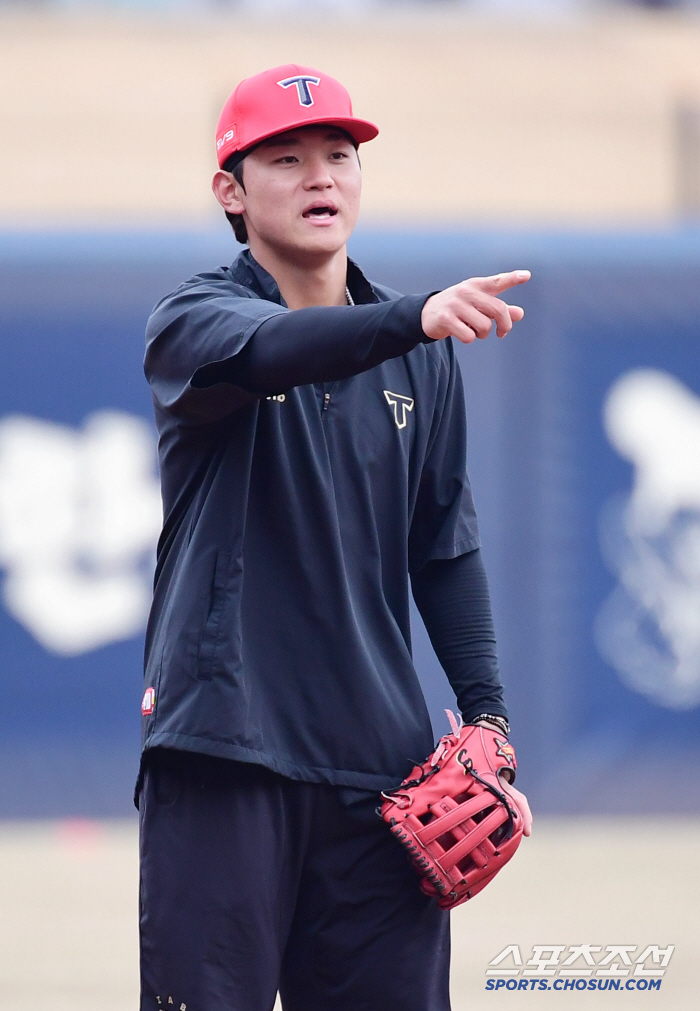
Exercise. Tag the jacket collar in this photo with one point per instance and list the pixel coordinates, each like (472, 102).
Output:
(247, 271)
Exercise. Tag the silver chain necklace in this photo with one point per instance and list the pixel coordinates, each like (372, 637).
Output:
(348, 296)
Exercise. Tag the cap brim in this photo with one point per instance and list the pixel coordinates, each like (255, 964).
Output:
(361, 130)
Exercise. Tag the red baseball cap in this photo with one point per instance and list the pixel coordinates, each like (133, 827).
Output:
(285, 98)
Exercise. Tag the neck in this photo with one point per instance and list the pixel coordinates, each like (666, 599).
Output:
(306, 282)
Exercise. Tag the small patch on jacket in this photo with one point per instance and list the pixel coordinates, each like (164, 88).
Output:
(148, 703)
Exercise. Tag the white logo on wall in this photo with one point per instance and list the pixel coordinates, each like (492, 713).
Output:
(79, 517)
(649, 628)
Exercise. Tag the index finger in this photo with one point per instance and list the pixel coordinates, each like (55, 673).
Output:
(500, 282)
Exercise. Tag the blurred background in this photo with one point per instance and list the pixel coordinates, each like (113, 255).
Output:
(558, 135)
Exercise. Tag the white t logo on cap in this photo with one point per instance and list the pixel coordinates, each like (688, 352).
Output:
(302, 83)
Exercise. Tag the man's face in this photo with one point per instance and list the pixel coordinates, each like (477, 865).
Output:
(302, 191)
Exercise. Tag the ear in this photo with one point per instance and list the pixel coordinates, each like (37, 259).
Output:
(228, 192)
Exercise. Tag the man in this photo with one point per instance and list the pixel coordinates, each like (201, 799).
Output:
(312, 453)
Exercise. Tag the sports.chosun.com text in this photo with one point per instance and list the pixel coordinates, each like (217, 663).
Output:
(573, 984)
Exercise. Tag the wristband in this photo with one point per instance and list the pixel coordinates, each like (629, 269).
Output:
(500, 722)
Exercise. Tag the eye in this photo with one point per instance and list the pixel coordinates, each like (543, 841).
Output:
(286, 159)
(339, 155)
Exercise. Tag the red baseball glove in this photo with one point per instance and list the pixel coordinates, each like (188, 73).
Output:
(458, 815)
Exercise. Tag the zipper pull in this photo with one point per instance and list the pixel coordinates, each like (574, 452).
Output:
(326, 401)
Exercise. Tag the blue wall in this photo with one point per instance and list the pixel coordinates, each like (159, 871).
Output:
(72, 312)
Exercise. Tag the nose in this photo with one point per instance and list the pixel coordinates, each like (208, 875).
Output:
(317, 176)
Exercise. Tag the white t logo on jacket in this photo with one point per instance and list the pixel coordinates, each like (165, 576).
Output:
(401, 406)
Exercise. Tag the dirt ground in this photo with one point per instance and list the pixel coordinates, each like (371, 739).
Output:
(68, 912)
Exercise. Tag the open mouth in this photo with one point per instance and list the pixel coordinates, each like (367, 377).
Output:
(321, 211)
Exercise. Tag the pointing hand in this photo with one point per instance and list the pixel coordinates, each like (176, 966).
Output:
(466, 310)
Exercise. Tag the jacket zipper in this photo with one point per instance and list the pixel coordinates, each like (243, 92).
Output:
(326, 400)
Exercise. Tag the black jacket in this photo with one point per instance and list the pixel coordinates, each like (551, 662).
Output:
(310, 460)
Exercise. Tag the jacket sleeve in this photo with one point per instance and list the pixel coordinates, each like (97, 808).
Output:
(210, 352)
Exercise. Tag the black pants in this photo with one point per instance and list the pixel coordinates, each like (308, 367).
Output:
(251, 882)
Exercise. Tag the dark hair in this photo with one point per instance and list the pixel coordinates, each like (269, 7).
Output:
(236, 220)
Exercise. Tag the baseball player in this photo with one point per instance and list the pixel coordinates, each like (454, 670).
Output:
(312, 455)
